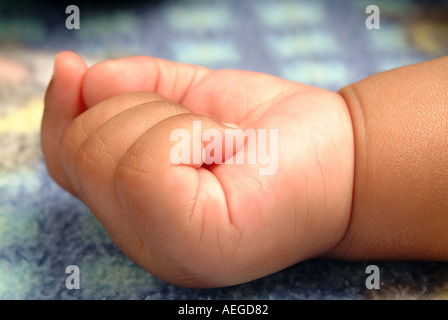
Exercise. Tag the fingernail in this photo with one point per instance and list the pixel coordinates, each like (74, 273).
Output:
(230, 125)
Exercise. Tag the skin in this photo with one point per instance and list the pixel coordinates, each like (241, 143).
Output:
(400, 197)
(106, 139)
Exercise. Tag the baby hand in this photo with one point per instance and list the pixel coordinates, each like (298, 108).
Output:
(113, 134)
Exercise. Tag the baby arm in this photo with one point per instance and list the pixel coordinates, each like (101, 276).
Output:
(400, 199)
(243, 226)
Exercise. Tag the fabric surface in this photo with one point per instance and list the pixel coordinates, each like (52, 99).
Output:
(322, 43)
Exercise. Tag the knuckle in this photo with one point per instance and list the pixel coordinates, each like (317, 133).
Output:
(91, 157)
(69, 140)
(128, 169)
